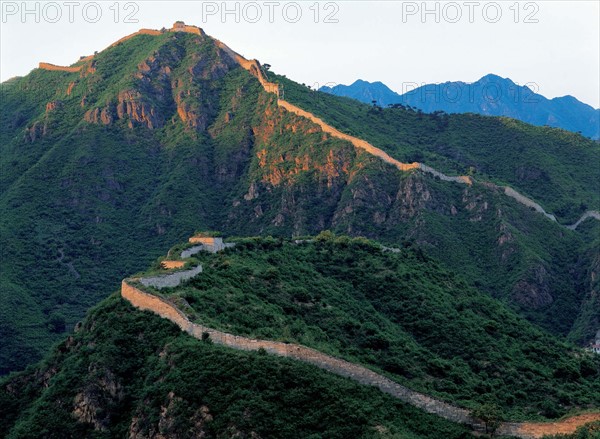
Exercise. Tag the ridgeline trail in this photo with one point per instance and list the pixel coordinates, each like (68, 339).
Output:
(254, 67)
(133, 291)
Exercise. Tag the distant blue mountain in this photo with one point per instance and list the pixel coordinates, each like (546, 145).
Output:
(490, 96)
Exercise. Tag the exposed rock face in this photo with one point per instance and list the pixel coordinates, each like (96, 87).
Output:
(506, 242)
(133, 106)
(169, 424)
(533, 291)
(104, 116)
(159, 95)
(252, 192)
(88, 69)
(35, 131)
(89, 405)
(476, 204)
(53, 105)
(42, 128)
(193, 94)
(189, 112)
(412, 197)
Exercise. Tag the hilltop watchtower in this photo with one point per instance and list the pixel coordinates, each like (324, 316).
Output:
(210, 243)
(178, 26)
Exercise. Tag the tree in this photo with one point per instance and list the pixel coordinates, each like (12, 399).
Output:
(56, 323)
(489, 414)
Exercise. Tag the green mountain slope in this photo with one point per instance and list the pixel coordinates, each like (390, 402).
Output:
(162, 134)
(71, 194)
(126, 372)
(398, 312)
(550, 165)
(129, 373)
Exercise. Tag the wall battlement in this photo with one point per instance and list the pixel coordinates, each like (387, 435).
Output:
(253, 66)
(170, 265)
(53, 67)
(165, 309)
(209, 243)
(525, 430)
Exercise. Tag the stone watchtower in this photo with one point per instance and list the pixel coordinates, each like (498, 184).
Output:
(209, 243)
(178, 26)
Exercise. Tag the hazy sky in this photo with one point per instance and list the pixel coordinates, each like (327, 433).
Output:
(554, 44)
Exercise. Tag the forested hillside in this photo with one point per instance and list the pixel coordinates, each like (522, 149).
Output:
(160, 135)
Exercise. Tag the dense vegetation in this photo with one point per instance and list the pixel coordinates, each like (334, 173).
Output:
(398, 312)
(549, 165)
(127, 372)
(85, 203)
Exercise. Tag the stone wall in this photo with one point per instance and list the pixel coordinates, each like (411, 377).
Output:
(358, 143)
(586, 215)
(48, 66)
(191, 251)
(169, 265)
(206, 240)
(459, 179)
(170, 280)
(527, 202)
(165, 309)
(155, 304)
(209, 243)
(140, 32)
(535, 430)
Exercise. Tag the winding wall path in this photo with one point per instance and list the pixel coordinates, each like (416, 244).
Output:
(54, 67)
(165, 309)
(255, 69)
(171, 280)
(588, 214)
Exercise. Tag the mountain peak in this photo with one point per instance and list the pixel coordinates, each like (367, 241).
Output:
(360, 82)
(152, 81)
(491, 77)
(178, 26)
(495, 96)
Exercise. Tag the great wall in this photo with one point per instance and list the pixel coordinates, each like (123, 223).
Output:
(133, 291)
(255, 69)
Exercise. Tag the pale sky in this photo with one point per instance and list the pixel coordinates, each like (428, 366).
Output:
(554, 44)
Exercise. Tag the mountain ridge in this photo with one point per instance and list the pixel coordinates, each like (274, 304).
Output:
(254, 68)
(483, 299)
(161, 134)
(133, 291)
(490, 95)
